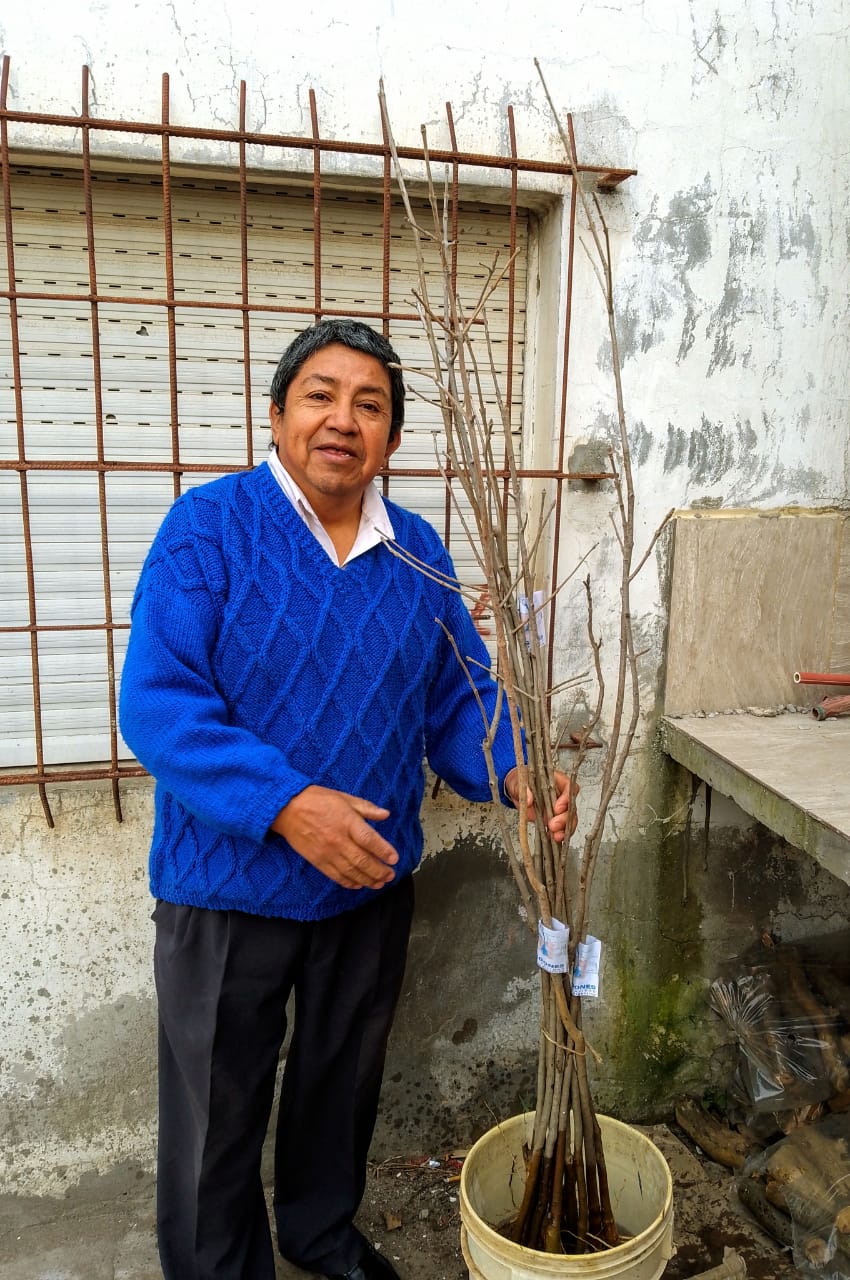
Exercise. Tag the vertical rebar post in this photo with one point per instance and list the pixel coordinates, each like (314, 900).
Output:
(243, 258)
(386, 216)
(171, 310)
(562, 420)
(454, 192)
(317, 210)
(15, 334)
(109, 636)
(509, 375)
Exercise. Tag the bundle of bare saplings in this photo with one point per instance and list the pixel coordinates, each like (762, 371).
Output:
(513, 530)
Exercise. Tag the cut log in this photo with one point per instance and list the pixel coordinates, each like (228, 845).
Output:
(792, 1121)
(817, 1251)
(830, 988)
(840, 1102)
(830, 1156)
(806, 1191)
(796, 1185)
(712, 1135)
(775, 1221)
(817, 1022)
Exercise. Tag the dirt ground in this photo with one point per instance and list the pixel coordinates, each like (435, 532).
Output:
(104, 1230)
(411, 1210)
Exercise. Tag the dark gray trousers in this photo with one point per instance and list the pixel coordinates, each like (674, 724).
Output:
(223, 979)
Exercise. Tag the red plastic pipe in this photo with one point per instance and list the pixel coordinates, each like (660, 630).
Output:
(820, 677)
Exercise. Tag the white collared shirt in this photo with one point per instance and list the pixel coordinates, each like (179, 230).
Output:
(375, 524)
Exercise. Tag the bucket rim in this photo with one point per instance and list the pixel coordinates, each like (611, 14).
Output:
(521, 1250)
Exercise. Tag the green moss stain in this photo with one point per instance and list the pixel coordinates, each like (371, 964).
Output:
(655, 1026)
(657, 1004)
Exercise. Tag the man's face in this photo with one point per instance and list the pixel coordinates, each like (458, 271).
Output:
(333, 432)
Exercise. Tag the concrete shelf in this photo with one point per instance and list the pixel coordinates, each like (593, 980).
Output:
(789, 772)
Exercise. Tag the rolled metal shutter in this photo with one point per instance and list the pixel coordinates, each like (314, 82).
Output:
(58, 388)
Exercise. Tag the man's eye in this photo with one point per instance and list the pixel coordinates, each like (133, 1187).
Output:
(368, 407)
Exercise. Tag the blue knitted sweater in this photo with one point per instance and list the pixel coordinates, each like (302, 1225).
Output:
(256, 667)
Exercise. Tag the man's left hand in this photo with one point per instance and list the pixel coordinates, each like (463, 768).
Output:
(565, 812)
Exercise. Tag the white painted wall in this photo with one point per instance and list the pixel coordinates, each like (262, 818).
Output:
(732, 286)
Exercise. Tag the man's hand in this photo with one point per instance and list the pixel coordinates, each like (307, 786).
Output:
(563, 813)
(330, 829)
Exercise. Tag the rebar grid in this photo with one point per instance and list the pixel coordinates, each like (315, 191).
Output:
(244, 306)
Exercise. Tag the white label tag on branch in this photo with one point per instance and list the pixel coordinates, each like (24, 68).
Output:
(552, 946)
(586, 969)
(538, 614)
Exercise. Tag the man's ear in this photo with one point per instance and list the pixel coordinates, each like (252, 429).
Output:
(392, 445)
(274, 418)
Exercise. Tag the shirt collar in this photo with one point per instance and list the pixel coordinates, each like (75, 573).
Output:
(375, 523)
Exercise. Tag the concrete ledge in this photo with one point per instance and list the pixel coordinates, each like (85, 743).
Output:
(789, 772)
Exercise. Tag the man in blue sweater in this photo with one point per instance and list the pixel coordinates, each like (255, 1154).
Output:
(285, 677)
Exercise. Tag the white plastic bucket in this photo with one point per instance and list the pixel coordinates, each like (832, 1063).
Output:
(491, 1187)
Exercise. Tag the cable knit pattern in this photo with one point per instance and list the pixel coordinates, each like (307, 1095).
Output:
(256, 667)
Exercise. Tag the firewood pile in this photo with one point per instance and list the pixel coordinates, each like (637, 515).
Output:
(788, 1008)
(799, 1190)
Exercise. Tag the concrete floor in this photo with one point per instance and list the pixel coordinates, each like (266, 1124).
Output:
(104, 1228)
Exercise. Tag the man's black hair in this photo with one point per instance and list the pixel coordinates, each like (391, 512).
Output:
(347, 333)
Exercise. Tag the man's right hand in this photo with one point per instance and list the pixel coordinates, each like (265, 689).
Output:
(331, 830)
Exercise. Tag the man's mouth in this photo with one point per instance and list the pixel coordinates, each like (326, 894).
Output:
(335, 451)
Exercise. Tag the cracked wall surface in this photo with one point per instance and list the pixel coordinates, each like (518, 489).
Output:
(731, 254)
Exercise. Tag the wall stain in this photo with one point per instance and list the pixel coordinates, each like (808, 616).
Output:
(708, 46)
(713, 451)
(676, 449)
(743, 454)
(640, 328)
(689, 326)
(772, 93)
(683, 234)
(797, 235)
(641, 441)
(106, 1083)
(747, 235)
(746, 241)
(670, 244)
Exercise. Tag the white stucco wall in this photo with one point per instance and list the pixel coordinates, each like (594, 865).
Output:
(732, 282)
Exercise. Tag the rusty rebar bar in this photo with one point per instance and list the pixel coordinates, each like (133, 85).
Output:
(106, 574)
(243, 257)
(26, 522)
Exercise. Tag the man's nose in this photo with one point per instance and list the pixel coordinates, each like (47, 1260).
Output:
(341, 417)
